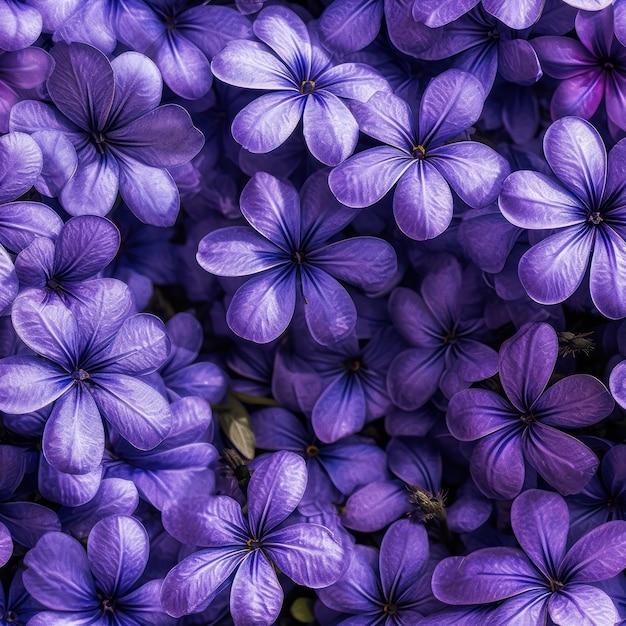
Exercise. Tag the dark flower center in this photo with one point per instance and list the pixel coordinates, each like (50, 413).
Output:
(390, 609)
(312, 451)
(307, 86)
(253, 544)
(107, 604)
(556, 585)
(493, 34)
(607, 64)
(528, 418)
(80, 374)
(298, 257)
(170, 22)
(450, 339)
(53, 284)
(99, 140)
(11, 617)
(353, 365)
(595, 218)
(418, 152)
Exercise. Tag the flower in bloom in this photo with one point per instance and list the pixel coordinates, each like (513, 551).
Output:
(123, 139)
(305, 85)
(391, 588)
(591, 70)
(242, 551)
(287, 251)
(88, 361)
(97, 587)
(525, 427)
(181, 39)
(419, 157)
(83, 248)
(445, 333)
(586, 206)
(543, 578)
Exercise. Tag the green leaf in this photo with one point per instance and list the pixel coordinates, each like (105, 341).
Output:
(235, 422)
(301, 610)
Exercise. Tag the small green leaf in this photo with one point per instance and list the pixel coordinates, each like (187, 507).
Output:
(235, 422)
(301, 610)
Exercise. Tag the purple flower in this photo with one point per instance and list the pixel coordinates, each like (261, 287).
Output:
(180, 39)
(525, 428)
(99, 587)
(388, 589)
(542, 579)
(416, 158)
(90, 360)
(334, 470)
(123, 139)
(288, 253)
(591, 70)
(445, 333)
(586, 206)
(242, 551)
(83, 248)
(305, 85)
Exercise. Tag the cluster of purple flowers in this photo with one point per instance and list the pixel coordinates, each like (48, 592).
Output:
(312, 313)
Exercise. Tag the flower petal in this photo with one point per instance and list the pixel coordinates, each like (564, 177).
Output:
(607, 279)
(275, 490)
(262, 308)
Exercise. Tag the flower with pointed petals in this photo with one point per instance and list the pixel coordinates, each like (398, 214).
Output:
(445, 333)
(304, 84)
(99, 587)
(526, 427)
(586, 205)
(418, 158)
(123, 139)
(388, 589)
(181, 39)
(89, 363)
(543, 578)
(243, 551)
(83, 248)
(591, 70)
(287, 252)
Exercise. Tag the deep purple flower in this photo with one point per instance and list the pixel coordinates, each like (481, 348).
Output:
(288, 253)
(83, 248)
(305, 84)
(525, 428)
(180, 39)
(542, 579)
(243, 551)
(416, 158)
(391, 588)
(334, 470)
(123, 139)
(90, 360)
(586, 206)
(445, 332)
(591, 70)
(99, 587)
(486, 46)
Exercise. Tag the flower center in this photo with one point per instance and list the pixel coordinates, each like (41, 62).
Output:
(390, 609)
(595, 218)
(11, 617)
(100, 140)
(253, 544)
(353, 365)
(450, 339)
(312, 451)
(298, 257)
(80, 374)
(307, 86)
(528, 418)
(53, 284)
(170, 22)
(556, 585)
(107, 604)
(418, 152)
